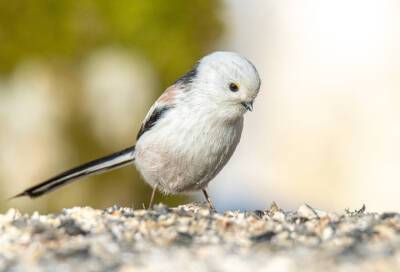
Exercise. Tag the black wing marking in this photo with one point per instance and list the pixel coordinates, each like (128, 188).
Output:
(160, 108)
(189, 76)
(156, 115)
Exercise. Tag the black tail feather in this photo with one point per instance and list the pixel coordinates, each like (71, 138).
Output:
(101, 165)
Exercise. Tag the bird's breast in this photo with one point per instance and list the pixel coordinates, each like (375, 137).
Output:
(184, 151)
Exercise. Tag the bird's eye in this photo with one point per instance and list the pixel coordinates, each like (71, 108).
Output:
(233, 87)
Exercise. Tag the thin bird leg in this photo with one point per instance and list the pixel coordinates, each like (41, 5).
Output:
(152, 197)
(210, 204)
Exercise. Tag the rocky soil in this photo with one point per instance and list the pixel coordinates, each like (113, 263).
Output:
(191, 238)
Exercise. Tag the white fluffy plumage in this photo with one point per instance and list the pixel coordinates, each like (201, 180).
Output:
(190, 132)
(197, 135)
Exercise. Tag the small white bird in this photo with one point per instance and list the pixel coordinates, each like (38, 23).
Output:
(188, 135)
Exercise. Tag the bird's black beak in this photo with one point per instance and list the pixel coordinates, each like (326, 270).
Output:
(248, 105)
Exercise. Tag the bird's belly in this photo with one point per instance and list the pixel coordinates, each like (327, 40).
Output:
(185, 162)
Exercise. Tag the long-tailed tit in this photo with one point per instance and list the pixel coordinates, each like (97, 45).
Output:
(188, 135)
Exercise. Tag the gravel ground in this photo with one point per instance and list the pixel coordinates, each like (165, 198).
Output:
(191, 238)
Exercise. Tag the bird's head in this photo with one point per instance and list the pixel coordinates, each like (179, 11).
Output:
(228, 81)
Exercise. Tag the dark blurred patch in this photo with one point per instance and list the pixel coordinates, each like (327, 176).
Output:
(72, 228)
(264, 237)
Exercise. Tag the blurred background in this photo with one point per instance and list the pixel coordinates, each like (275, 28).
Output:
(77, 78)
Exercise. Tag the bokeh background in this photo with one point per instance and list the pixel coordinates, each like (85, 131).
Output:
(77, 78)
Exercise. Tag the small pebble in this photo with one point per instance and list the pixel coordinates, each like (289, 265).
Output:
(307, 212)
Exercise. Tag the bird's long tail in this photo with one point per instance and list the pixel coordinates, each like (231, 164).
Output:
(104, 164)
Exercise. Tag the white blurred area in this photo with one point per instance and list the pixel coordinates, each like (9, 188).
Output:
(30, 118)
(119, 90)
(326, 125)
(116, 89)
